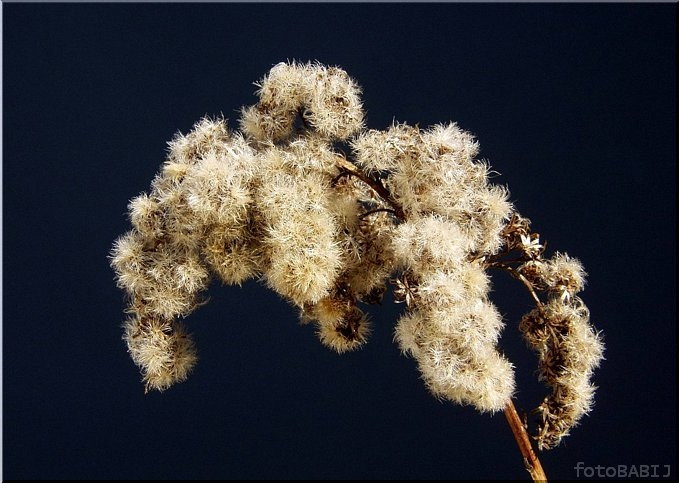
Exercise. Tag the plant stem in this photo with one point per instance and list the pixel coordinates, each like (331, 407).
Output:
(379, 188)
(530, 459)
(517, 275)
(377, 210)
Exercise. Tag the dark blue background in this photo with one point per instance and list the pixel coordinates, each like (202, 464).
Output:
(573, 104)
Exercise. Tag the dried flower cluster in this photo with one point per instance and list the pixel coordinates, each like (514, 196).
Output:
(558, 329)
(278, 201)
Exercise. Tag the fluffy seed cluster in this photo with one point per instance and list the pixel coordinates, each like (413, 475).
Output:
(280, 202)
(568, 347)
(451, 214)
(558, 328)
(261, 203)
(194, 221)
(327, 97)
(451, 328)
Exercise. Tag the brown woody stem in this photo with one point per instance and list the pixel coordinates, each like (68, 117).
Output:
(530, 459)
(350, 168)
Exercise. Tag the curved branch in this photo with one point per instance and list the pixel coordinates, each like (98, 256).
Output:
(517, 275)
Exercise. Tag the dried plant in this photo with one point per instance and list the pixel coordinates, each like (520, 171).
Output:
(279, 201)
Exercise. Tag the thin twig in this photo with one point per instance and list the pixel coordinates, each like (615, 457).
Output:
(517, 275)
(376, 185)
(377, 210)
(342, 174)
(507, 261)
(530, 459)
